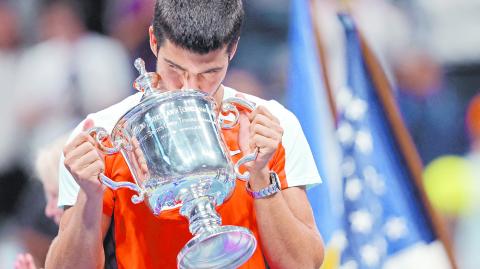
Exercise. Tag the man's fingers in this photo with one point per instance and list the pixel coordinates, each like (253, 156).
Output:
(262, 142)
(157, 81)
(24, 261)
(265, 131)
(94, 169)
(88, 159)
(29, 261)
(267, 122)
(241, 109)
(263, 110)
(262, 120)
(77, 141)
(87, 124)
(79, 151)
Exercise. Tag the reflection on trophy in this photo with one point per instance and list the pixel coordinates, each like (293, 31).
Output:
(173, 146)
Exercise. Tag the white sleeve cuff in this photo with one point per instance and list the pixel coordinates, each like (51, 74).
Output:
(67, 186)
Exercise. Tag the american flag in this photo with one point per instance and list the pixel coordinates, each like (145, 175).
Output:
(381, 211)
(381, 216)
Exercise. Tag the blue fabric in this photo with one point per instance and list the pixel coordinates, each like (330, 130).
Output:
(382, 212)
(306, 98)
(398, 198)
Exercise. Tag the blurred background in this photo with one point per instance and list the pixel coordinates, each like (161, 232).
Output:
(60, 60)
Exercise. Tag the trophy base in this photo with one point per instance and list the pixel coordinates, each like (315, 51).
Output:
(221, 247)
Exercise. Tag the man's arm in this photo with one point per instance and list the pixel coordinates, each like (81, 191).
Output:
(285, 220)
(289, 236)
(79, 243)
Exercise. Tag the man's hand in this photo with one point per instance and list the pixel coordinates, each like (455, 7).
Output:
(25, 261)
(85, 162)
(259, 130)
(286, 226)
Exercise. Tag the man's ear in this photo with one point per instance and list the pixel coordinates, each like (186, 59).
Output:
(153, 41)
(233, 50)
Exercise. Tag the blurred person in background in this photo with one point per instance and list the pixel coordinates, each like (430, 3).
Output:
(49, 87)
(375, 20)
(453, 185)
(429, 107)
(46, 168)
(127, 21)
(448, 30)
(12, 177)
(71, 73)
(264, 49)
(25, 261)
(467, 233)
(247, 81)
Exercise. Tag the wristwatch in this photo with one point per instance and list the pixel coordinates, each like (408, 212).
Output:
(270, 190)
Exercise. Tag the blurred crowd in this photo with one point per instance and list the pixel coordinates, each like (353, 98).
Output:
(63, 59)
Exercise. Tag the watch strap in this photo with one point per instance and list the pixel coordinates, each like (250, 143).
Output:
(274, 187)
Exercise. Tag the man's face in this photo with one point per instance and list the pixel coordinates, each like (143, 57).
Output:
(182, 69)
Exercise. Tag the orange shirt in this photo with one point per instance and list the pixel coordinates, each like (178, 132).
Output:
(143, 240)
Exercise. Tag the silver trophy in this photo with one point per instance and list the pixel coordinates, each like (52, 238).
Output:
(174, 149)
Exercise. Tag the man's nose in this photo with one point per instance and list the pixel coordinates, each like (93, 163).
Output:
(191, 82)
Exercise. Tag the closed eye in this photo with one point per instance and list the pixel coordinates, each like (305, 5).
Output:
(216, 70)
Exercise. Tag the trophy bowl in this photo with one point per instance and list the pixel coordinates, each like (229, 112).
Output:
(173, 146)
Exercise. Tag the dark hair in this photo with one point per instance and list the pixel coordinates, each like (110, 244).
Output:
(200, 26)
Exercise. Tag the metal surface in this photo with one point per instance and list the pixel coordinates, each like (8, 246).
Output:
(173, 146)
(227, 247)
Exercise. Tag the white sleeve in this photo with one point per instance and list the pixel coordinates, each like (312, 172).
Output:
(300, 167)
(67, 187)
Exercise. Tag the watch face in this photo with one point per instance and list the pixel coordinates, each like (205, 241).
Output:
(274, 187)
(274, 179)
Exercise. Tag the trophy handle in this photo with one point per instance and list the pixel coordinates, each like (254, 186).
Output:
(99, 134)
(231, 105)
(245, 159)
(143, 83)
(137, 198)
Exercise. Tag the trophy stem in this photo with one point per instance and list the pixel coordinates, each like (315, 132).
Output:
(213, 246)
(201, 214)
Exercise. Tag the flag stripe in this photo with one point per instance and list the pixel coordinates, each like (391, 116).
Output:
(306, 97)
(404, 141)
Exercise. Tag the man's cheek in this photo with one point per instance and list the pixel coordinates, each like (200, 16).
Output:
(172, 81)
